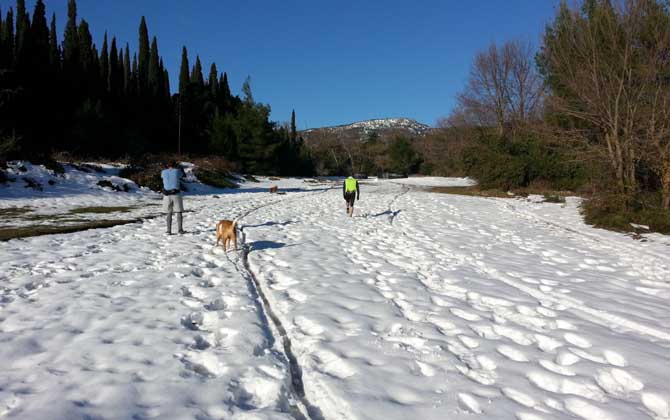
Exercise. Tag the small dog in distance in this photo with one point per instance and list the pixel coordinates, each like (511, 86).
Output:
(226, 232)
(274, 189)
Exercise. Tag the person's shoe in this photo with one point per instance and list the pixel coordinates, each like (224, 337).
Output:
(181, 232)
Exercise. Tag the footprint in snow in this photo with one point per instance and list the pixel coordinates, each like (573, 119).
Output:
(512, 354)
(577, 340)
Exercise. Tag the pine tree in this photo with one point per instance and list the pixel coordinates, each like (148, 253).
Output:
(126, 71)
(54, 51)
(71, 42)
(144, 56)
(184, 78)
(294, 132)
(213, 80)
(196, 74)
(155, 73)
(104, 63)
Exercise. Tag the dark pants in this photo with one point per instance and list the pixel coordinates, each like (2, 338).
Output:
(350, 197)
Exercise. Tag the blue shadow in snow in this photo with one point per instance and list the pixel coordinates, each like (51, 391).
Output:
(261, 245)
(288, 222)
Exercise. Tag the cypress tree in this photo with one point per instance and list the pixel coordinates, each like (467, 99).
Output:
(114, 75)
(85, 46)
(20, 17)
(70, 42)
(39, 36)
(54, 51)
(183, 71)
(166, 83)
(144, 55)
(213, 80)
(8, 37)
(134, 76)
(196, 74)
(2, 42)
(155, 73)
(294, 131)
(225, 88)
(22, 51)
(126, 71)
(246, 90)
(104, 63)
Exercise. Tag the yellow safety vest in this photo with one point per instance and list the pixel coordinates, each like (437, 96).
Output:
(350, 184)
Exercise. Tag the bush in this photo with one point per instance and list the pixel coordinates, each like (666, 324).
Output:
(553, 198)
(31, 183)
(215, 172)
(53, 165)
(145, 171)
(519, 161)
(215, 179)
(105, 183)
(615, 212)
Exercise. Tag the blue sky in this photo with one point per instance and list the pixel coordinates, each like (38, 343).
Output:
(334, 62)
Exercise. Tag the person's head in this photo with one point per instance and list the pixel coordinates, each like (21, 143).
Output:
(171, 164)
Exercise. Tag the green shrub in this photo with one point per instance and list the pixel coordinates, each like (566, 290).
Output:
(53, 165)
(553, 198)
(617, 213)
(145, 172)
(214, 178)
(519, 160)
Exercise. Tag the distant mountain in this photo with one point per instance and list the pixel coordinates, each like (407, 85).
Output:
(384, 127)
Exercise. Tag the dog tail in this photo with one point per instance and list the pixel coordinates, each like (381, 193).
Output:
(235, 222)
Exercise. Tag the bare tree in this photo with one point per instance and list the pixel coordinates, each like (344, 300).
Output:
(594, 60)
(654, 139)
(503, 89)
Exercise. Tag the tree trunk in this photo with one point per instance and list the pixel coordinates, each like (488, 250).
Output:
(665, 181)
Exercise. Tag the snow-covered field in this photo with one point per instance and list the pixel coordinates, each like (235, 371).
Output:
(422, 306)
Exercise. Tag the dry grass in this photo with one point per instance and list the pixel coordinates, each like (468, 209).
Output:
(470, 191)
(101, 210)
(15, 211)
(28, 231)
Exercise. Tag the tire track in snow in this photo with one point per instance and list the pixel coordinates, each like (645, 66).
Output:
(605, 318)
(405, 190)
(651, 258)
(305, 409)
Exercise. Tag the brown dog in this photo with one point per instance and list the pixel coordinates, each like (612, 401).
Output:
(225, 230)
(274, 189)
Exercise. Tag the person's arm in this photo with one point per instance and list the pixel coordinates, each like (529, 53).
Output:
(358, 191)
(344, 189)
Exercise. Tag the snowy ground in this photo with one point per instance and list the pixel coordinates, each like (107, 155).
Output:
(422, 306)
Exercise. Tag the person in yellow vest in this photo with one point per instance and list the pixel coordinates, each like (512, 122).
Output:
(351, 193)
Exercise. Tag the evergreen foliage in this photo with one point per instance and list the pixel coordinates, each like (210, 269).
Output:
(73, 98)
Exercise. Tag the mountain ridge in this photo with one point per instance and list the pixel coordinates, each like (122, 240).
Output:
(360, 130)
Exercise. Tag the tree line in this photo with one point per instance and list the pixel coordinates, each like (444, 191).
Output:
(588, 112)
(110, 102)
